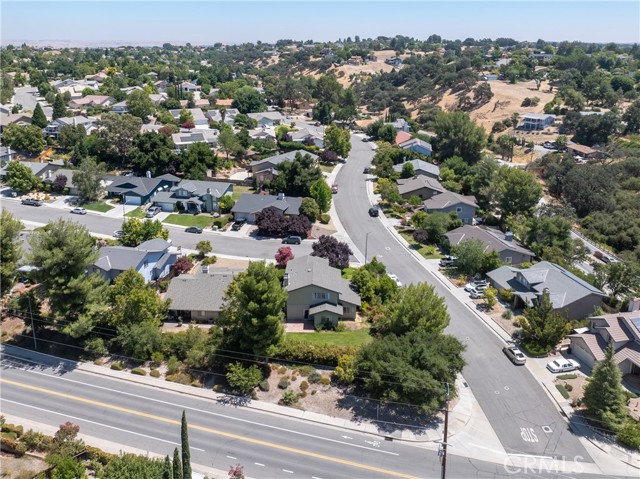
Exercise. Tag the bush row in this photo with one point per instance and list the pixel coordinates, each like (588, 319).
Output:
(323, 354)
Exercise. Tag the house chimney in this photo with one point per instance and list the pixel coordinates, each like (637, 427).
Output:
(508, 236)
(148, 174)
(280, 197)
(285, 280)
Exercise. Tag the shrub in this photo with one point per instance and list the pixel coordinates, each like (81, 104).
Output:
(305, 370)
(173, 365)
(517, 321)
(210, 260)
(420, 236)
(315, 377)
(568, 387)
(12, 428)
(325, 381)
(196, 383)
(325, 218)
(264, 386)
(36, 441)
(117, 366)
(629, 436)
(346, 369)
(565, 377)
(96, 346)
(154, 373)
(282, 369)
(157, 357)
(180, 378)
(534, 349)
(12, 446)
(562, 390)
(243, 379)
(341, 327)
(299, 351)
(506, 294)
(99, 455)
(283, 383)
(304, 385)
(289, 398)
(313, 392)
(139, 371)
(507, 314)
(163, 285)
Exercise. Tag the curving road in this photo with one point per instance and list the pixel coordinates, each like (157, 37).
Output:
(522, 415)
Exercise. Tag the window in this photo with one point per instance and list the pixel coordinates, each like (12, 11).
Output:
(202, 313)
(321, 296)
(458, 209)
(507, 259)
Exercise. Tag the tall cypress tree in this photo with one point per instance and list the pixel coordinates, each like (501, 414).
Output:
(167, 472)
(39, 119)
(177, 465)
(59, 108)
(186, 453)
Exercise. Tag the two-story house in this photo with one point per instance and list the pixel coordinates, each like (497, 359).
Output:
(420, 168)
(424, 187)
(136, 190)
(317, 292)
(448, 202)
(193, 196)
(90, 124)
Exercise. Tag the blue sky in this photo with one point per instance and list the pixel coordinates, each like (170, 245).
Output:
(208, 22)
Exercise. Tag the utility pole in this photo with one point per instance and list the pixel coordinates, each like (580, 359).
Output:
(366, 246)
(446, 431)
(33, 329)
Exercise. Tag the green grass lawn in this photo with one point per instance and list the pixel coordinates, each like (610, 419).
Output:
(356, 337)
(203, 221)
(425, 250)
(97, 206)
(239, 190)
(327, 167)
(137, 213)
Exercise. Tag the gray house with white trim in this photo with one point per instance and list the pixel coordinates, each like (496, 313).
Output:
(248, 206)
(448, 201)
(198, 297)
(420, 168)
(193, 196)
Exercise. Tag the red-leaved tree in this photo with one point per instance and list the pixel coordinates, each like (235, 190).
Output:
(182, 265)
(283, 256)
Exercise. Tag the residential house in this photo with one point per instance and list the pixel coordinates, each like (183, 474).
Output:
(509, 250)
(401, 137)
(130, 89)
(193, 196)
(6, 154)
(448, 201)
(583, 151)
(183, 139)
(41, 170)
(400, 125)
(266, 133)
(420, 168)
(537, 121)
(248, 206)
(199, 120)
(120, 107)
(98, 77)
(90, 124)
(91, 101)
(354, 60)
(19, 119)
(135, 190)
(623, 329)
(161, 85)
(152, 259)
(188, 87)
(228, 118)
(74, 87)
(541, 56)
(158, 98)
(424, 187)
(418, 146)
(569, 294)
(150, 128)
(198, 297)
(268, 118)
(308, 135)
(317, 292)
(51, 176)
(265, 169)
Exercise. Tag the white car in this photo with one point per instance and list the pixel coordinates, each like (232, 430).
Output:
(476, 293)
(395, 280)
(563, 365)
(79, 211)
(476, 286)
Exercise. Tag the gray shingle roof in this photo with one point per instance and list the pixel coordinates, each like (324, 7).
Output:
(119, 258)
(493, 239)
(415, 141)
(418, 182)
(332, 308)
(251, 204)
(420, 165)
(202, 292)
(447, 199)
(141, 186)
(277, 159)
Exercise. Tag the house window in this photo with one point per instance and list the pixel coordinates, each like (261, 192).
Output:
(202, 313)
(508, 259)
(458, 209)
(321, 296)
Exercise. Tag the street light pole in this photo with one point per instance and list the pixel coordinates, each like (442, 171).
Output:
(366, 246)
(446, 431)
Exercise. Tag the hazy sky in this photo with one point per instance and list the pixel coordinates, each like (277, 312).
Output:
(207, 22)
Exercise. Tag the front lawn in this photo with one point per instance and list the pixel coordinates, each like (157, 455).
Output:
(137, 213)
(239, 190)
(356, 337)
(427, 251)
(201, 220)
(97, 206)
(327, 167)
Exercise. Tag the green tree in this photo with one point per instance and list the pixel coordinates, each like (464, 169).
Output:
(20, 178)
(408, 171)
(248, 100)
(296, 177)
(603, 395)
(140, 340)
(204, 247)
(185, 118)
(119, 132)
(177, 464)
(6, 87)
(197, 159)
(621, 277)
(226, 203)
(310, 209)
(229, 143)
(64, 251)
(470, 254)
(39, 119)
(140, 105)
(59, 107)
(458, 135)
(416, 307)
(255, 308)
(186, 451)
(136, 231)
(631, 117)
(337, 139)
(542, 325)
(418, 364)
(516, 191)
(89, 180)
(68, 468)
(10, 250)
(387, 133)
(133, 300)
(561, 142)
(154, 153)
(167, 470)
(243, 379)
(130, 466)
(490, 297)
(24, 137)
(506, 143)
(322, 194)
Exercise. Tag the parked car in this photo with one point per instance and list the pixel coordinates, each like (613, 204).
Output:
(292, 240)
(514, 354)
(79, 211)
(31, 202)
(563, 365)
(373, 211)
(334, 188)
(154, 210)
(238, 225)
(448, 261)
(477, 285)
(193, 229)
(366, 139)
(395, 280)
(118, 234)
(367, 170)
(476, 293)
(549, 145)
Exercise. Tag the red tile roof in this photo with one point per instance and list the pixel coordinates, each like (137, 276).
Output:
(402, 136)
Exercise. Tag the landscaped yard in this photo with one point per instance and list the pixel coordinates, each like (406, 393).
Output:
(97, 206)
(327, 167)
(428, 251)
(202, 220)
(137, 213)
(356, 337)
(239, 190)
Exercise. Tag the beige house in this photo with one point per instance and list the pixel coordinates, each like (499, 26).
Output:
(317, 292)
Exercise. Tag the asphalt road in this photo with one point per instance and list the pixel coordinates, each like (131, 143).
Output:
(100, 224)
(511, 398)
(220, 435)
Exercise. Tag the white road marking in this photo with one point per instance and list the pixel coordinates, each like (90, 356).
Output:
(98, 424)
(287, 471)
(200, 410)
(486, 448)
(314, 477)
(530, 455)
(346, 437)
(259, 464)
(506, 388)
(528, 434)
(231, 457)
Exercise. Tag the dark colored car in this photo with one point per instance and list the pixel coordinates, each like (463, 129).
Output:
(292, 240)
(367, 170)
(193, 229)
(373, 212)
(238, 225)
(31, 202)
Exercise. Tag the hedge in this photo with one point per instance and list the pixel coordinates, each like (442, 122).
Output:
(629, 436)
(139, 371)
(304, 352)
(561, 389)
(325, 218)
(117, 366)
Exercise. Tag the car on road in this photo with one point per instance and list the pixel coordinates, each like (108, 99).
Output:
(373, 212)
(151, 212)
(563, 365)
(395, 280)
(549, 145)
(477, 285)
(367, 170)
(237, 226)
(292, 240)
(31, 202)
(334, 188)
(79, 211)
(118, 234)
(193, 229)
(448, 261)
(515, 355)
(366, 139)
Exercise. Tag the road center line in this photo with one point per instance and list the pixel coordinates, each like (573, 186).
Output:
(247, 421)
(237, 437)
